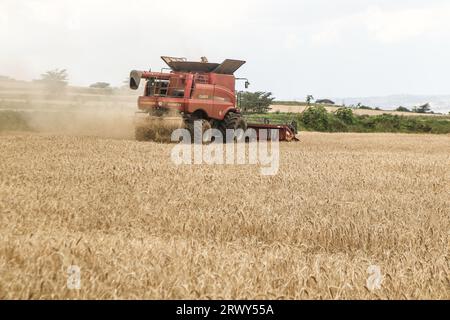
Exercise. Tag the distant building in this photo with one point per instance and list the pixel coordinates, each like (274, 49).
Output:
(324, 101)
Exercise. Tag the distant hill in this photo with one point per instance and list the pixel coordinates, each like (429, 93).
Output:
(439, 103)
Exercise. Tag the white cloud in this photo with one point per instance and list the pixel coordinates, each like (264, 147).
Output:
(291, 40)
(385, 26)
(400, 25)
(329, 35)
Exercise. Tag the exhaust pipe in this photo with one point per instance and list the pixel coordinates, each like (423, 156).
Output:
(135, 79)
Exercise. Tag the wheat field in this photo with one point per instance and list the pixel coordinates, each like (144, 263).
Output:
(139, 226)
(369, 112)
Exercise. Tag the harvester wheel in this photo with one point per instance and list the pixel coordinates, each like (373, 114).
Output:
(195, 132)
(233, 121)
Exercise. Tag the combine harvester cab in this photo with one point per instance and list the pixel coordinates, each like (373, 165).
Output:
(194, 91)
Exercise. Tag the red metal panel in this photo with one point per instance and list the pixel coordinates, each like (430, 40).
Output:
(188, 89)
(224, 80)
(202, 98)
(228, 66)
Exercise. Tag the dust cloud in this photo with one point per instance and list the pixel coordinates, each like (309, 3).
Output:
(78, 111)
(107, 124)
(74, 111)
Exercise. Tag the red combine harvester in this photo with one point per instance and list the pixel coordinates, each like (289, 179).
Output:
(198, 91)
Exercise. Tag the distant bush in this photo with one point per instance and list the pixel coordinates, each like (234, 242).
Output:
(364, 107)
(387, 123)
(6, 78)
(316, 118)
(255, 102)
(55, 81)
(336, 125)
(100, 85)
(366, 123)
(426, 108)
(345, 115)
(415, 125)
(55, 78)
(402, 109)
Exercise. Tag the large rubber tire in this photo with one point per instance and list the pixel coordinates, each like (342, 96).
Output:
(193, 131)
(232, 121)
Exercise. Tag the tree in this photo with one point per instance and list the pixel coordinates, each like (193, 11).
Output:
(255, 102)
(361, 106)
(426, 108)
(100, 85)
(316, 118)
(345, 115)
(309, 99)
(55, 78)
(402, 109)
(6, 78)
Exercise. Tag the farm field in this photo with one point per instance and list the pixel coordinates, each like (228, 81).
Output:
(140, 227)
(301, 108)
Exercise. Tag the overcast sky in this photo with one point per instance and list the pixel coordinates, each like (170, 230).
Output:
(328, 48)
